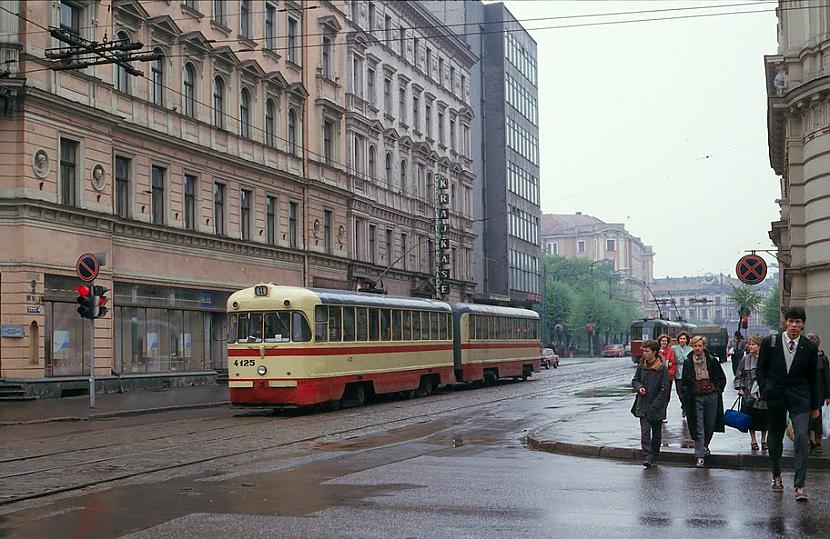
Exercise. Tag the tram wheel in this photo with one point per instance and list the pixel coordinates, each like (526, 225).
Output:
(490, 378)
(355, 395)
(425, 387)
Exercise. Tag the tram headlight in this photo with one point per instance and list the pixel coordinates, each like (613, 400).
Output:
(261, 370)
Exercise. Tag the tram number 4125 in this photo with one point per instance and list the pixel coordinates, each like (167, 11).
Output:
(244, 363)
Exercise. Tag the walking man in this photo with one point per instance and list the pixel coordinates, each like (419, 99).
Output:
(786, 378)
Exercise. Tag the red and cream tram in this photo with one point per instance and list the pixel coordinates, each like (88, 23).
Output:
(293, 346)
(651, 328)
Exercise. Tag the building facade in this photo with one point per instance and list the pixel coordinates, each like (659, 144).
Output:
(505, 149)
(242, 155)
(798, 121)
(408, 122)
(572, 235)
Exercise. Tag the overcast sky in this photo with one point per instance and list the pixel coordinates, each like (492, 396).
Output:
(659, 125)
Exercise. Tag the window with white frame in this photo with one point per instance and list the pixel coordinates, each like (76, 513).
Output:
(580, 246)
(189, 93)
(122, 78)
(245, 113)
(219, 102)
(157, 72)
(270, 26)
(245, 18)
(270, 122)
(292, 131)
(610, 245)
(293, 43)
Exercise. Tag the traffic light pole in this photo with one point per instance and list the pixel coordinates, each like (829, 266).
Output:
(92, 347)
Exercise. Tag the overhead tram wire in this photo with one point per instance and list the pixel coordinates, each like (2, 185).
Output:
(484, 23)
(509, 30)
(504, 30)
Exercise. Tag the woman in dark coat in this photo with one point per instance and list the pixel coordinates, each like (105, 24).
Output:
(652, 384)
(702, 387)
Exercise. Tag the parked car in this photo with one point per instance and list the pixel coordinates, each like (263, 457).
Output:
(549, 358)
(613, 350)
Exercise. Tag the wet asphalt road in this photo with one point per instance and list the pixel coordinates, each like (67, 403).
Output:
(451, 465)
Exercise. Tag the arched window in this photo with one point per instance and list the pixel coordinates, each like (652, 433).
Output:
(122, 78)
(270, 124)
(219, 102)
(157, 69)
(372, 172)
(403, 175)
(245, 113)
(292, 131)
(452, 196)
(388, 168)
(189, 97)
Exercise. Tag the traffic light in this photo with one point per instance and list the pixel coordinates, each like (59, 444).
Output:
(591, 329)
(86, 306)
(745, 322)
(100, 294)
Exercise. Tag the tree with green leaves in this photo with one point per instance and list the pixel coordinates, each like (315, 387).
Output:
(771, 309)
(581, 292)
(746, 299)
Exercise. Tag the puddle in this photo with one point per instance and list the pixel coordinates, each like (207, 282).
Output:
(607, 391)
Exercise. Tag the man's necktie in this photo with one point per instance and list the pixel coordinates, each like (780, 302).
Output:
(792, 345)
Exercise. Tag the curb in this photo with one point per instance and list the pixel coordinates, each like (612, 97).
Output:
(107, 415)
(671, 456)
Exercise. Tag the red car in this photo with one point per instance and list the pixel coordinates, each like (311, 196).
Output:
(613, 350)
(549, 358)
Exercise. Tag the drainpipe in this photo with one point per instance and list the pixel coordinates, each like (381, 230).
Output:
(305, 145)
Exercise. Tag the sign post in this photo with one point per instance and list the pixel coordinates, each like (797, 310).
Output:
(87, 268)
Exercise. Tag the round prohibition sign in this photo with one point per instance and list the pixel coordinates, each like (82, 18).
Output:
(87, 267)
(751, 269)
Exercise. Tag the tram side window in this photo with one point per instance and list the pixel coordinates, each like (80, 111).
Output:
(416, 325)
(373, 325)
(300, 330)
(321, 322)
(448, 316)
(362, 324)
(481, 327)
(445, 326)
(335, 316)
(407, 325)
(471, 327)
(348, 324)
(385, 323)
(535, 334)
(396, 325)
(277, 326)
(433, 326)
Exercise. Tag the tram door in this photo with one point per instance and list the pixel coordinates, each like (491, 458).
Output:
(218, 348)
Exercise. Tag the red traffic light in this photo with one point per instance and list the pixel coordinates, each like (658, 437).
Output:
(590, 328)
(82, 290)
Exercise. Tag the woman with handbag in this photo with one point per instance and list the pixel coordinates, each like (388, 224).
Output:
(702, 388)
(652, 385)
(747, 388)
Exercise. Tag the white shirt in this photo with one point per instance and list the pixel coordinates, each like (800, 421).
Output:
(789, 355)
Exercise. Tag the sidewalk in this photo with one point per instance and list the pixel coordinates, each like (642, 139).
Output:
(110, 405)
(608, 430)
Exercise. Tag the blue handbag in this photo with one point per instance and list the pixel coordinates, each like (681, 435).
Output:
(737, 419)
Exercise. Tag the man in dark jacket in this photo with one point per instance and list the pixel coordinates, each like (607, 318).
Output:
(787, 381)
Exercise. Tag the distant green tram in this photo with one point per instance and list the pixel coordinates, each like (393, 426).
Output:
(716, 340)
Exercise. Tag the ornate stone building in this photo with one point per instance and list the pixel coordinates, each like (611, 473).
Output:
(798, 121)
(242, 155)
(407, 122)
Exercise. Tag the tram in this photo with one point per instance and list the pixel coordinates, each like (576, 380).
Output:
(293, 347)
(651, 328)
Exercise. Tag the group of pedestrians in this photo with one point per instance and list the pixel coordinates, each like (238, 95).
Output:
(779, 378)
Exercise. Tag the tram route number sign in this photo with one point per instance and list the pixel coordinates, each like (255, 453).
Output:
(87, 267)
(751, 269)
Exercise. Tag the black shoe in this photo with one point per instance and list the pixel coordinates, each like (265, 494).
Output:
(647, 464)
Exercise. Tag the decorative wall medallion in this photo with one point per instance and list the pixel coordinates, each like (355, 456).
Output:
(40, 163)
(98, 178)
(341, 233)
(316, 227)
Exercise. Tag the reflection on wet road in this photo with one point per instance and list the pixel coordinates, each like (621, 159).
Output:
(454, 465)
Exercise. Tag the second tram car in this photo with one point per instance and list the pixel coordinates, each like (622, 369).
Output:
(651, 328)
(294, 346)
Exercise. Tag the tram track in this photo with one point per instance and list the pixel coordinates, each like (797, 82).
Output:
(424, 406)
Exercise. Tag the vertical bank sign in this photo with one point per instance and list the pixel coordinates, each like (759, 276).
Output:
(442, 236)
